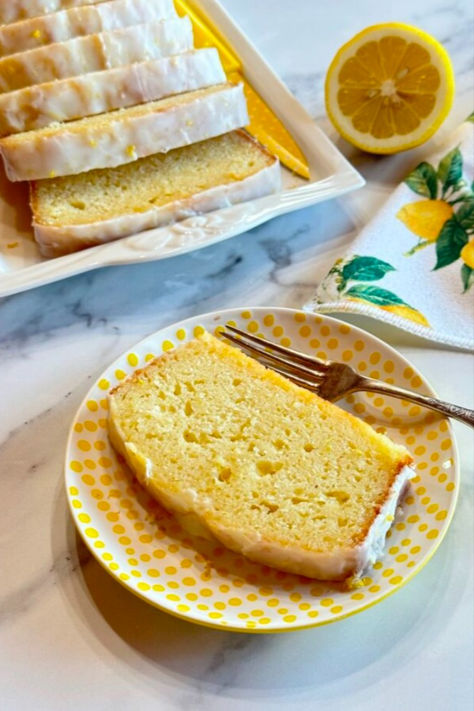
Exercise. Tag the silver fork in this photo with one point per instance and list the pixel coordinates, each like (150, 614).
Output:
(329, 379)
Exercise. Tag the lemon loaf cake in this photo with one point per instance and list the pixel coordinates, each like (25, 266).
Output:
(14, 10)
(149, 40)
(301, 486)
(76, 22)
(99, 92)
(83, 210)
(122, 136)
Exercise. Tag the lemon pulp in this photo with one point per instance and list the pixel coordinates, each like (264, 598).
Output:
(389, 88)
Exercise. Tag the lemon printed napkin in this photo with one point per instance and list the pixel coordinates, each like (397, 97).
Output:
(413, 265)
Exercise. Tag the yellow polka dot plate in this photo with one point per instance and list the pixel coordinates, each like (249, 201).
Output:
(145, 549)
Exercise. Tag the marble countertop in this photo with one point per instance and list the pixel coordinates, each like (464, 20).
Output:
(70, 636)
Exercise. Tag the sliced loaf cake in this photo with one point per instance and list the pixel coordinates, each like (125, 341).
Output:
(83, 210)
(122, 136)
(99, 92)
(80, 21)
(92, 53)
(14, 10)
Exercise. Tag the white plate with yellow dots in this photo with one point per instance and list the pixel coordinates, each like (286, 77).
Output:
(145, 549)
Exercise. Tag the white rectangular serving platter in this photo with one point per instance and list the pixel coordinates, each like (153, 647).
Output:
(22, 267)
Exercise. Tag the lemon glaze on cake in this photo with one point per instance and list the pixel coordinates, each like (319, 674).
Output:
(91, 53)
(119, 137)
(98, 92)
(301, 486)
(79, 21)
(93, 208)
(14, 10)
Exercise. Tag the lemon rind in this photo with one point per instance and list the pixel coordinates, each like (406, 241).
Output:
(449, 81)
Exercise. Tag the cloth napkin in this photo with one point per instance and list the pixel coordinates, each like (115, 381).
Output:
(413, 265)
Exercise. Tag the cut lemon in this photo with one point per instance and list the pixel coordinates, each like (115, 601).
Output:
(389, 88)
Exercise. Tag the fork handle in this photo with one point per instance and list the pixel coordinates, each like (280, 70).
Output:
(376, 386)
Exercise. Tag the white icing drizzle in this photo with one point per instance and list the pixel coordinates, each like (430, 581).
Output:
(78, 21)
(95, 52)
(106, 143)
(13, 10)
(98, 92)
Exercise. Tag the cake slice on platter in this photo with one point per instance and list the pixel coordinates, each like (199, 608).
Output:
(99, 92)
(104, 50)
(93, 208)
(14, 10)
(80, 21)
(119, 137)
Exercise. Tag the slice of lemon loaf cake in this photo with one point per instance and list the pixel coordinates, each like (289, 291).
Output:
(91, 208)
(14, 10)
(78, 56)
(240, 454)
(99, 92)
(79, 21)
(122, 136)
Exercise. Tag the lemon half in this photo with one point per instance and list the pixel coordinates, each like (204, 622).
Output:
(389, 88)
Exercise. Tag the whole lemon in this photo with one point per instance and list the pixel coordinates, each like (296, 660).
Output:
(425, 218)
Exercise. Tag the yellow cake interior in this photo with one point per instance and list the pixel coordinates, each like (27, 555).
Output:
(255, 451)
(148, 182)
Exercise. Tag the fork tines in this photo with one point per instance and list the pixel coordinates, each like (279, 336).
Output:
(303, 370)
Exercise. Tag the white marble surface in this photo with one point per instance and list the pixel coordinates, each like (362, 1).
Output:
(72, 638)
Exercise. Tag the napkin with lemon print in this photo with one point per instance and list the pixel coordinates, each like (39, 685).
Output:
(413, 265)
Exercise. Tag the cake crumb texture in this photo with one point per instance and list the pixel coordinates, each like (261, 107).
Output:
(260, 462)
(149, 182)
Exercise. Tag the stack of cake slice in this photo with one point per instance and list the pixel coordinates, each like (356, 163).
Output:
(118, 122)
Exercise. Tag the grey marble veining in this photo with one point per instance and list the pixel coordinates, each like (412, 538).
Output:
(70, 636)
(185, 285)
